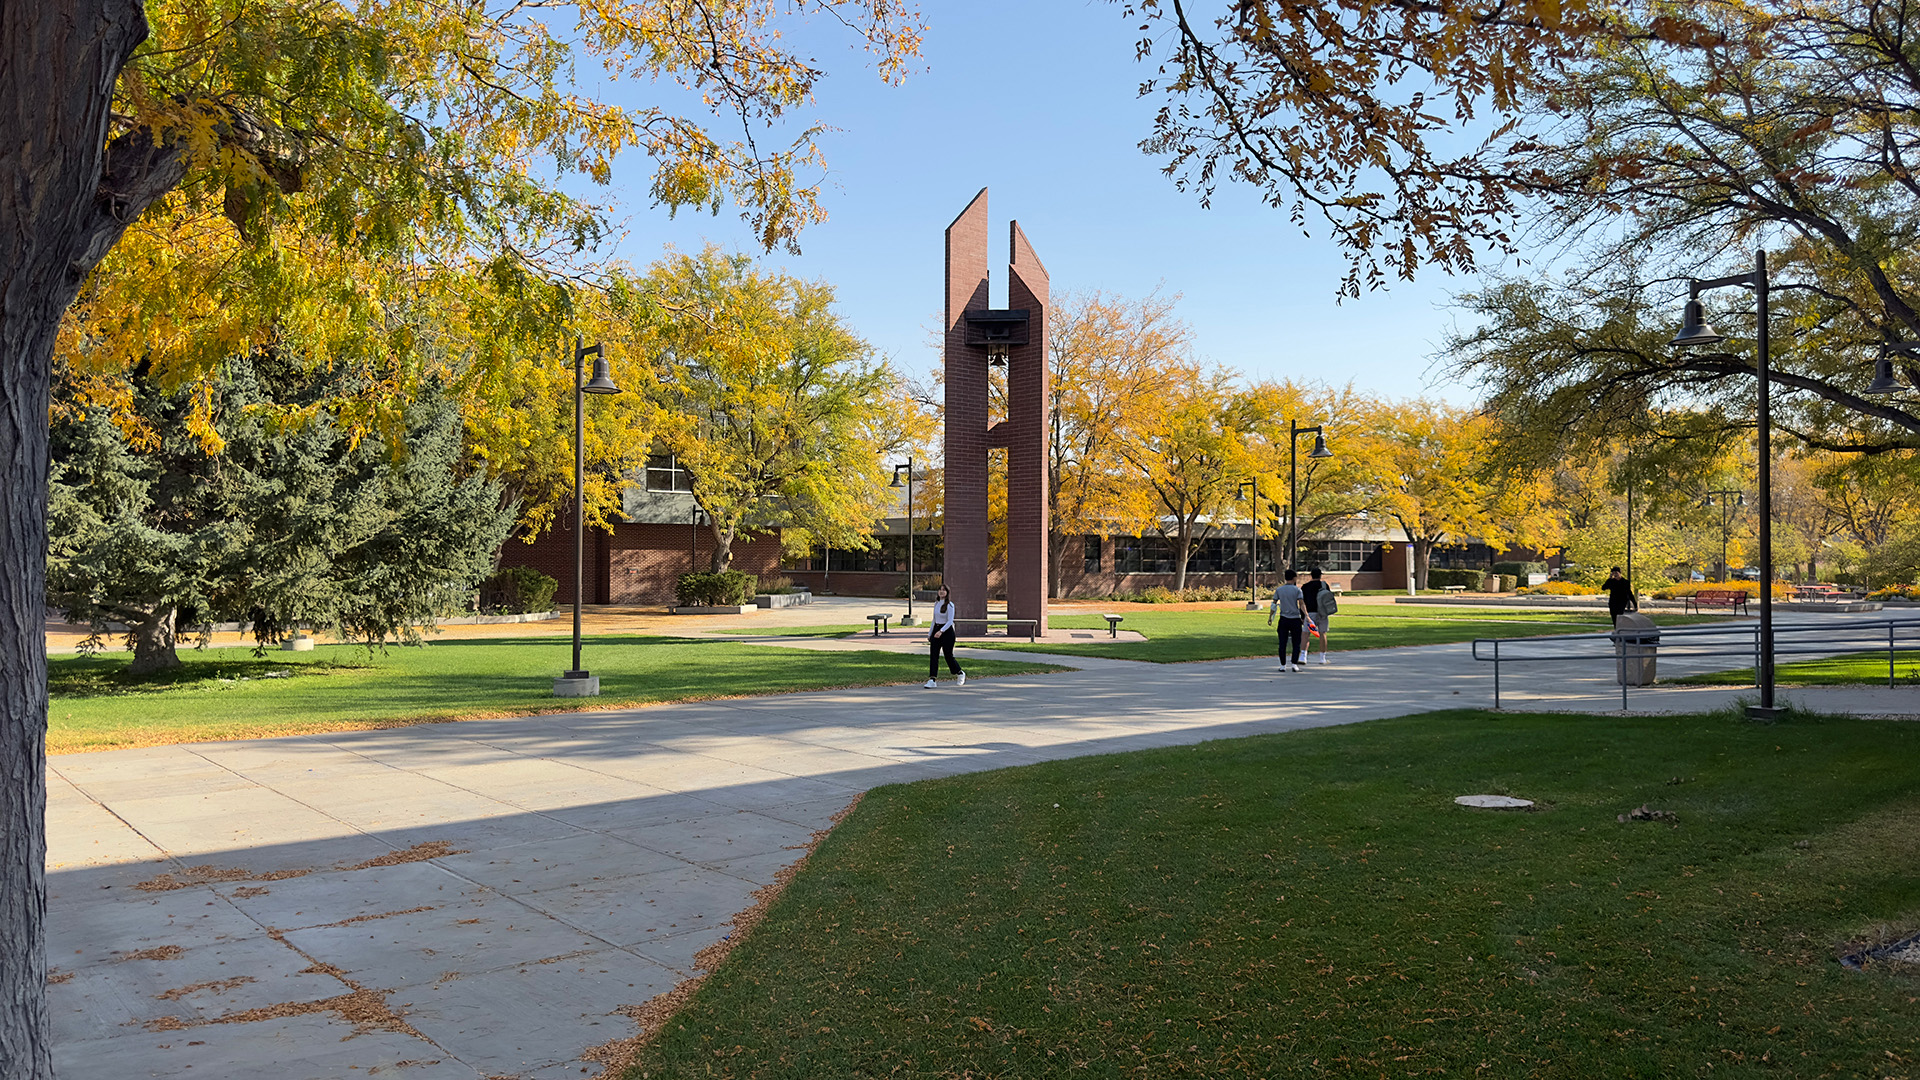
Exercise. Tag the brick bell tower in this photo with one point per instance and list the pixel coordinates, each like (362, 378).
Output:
(979, 337)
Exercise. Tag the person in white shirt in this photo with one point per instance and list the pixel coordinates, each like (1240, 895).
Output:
(940, 637)
(1286, 601)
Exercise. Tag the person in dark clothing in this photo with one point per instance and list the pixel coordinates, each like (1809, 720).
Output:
(1620, 596)
(940, 637)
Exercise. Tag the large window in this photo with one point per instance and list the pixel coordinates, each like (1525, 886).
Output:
(1335, 555)
(1142, 555)
(1091, 559)
(664, 473)
(890, 557)
(1217, 555)
(1461, 557)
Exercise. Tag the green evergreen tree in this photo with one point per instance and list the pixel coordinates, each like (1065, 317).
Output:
(268, 514)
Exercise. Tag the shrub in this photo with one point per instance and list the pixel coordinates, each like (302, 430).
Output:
(1160, 594)
(1440, 579)
(1509, 582)
(779, 586)
(1558, 588)
(1896, 592)
(1519, 569)
(729, 588)
(517, 590)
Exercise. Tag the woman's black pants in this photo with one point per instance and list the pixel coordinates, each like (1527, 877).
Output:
(941, 642)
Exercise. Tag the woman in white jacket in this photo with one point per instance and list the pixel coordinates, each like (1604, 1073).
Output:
(940, 638)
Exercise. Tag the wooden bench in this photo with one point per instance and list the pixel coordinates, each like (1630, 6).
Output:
(1716, 598)
(881, 623)
(1032, 625)
(1113, 624)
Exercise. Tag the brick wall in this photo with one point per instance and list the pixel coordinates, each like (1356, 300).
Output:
(1028, 375)
(966, 413)
(636, 563)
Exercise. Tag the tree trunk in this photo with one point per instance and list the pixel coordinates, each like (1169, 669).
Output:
(66, 199)
(154, 642)
(1182, 551)
(722, 560)
(1422, 559)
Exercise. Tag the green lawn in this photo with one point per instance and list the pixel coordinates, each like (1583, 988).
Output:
(1848, 670)
(840, 630)
(1314, 904)
(228, 693)
(1182, 635)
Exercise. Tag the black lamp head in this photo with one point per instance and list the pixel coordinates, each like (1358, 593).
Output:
(1320, 446)
(1694, 330)
(602, 381)
(1885, 379)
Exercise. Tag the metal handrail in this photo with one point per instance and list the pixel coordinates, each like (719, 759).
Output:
(1895, 630)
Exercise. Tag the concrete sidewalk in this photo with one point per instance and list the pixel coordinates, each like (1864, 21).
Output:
(478, 899)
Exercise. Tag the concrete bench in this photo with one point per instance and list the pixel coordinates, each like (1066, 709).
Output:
(1113, 624)
(1032, 625)
(1733, 599)
(1454, 588)
(881, 623)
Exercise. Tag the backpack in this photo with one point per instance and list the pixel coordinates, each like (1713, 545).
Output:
(1327, 602)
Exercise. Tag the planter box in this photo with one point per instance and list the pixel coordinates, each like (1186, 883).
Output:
(741, 610)
(774, 600)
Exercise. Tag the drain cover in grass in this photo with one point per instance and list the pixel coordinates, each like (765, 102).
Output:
(1494, 802)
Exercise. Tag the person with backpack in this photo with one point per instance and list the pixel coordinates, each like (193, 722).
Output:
(1317, 599)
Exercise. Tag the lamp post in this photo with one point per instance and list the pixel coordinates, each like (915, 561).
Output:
(1319, 450)
(576, 682)
(1253, 544)
(897, 470)
(1885, 379)
(1728, 501)
(1694, 331)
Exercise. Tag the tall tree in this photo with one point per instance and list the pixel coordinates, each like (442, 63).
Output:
(280, 525)
(773, 406)
(383, 130)
(1112, 358)
(1436, 491)
(1190, 453)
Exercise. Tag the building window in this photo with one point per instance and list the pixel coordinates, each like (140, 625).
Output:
(1344, 556)
(1142, 555)
(1217, 555)
(665, 473)
(1092, 557)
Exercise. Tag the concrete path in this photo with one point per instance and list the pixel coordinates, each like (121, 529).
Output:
(479, 899)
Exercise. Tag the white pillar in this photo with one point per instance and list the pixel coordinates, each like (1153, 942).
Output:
(1410, 582)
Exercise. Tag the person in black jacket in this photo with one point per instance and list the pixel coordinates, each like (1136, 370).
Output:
(1620, 596)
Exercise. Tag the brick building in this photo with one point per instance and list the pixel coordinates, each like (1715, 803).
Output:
(657, 538)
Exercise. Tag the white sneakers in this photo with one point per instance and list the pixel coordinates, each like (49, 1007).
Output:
(930, 684)
(1324, 660)
(963, 679)
(959, 680)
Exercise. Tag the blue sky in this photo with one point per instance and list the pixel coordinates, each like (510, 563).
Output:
(1037, 102)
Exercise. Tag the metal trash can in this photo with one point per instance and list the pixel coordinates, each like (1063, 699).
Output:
(1636, 648)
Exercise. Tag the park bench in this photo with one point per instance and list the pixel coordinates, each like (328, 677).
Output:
(881, 623)
(1454, 588)
(1113, 624)
(1716, 598)
(1032, 625)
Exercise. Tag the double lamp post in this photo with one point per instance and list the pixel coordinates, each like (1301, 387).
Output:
(1319, 452)
(1694, 333)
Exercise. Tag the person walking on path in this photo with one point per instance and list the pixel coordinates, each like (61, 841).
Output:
(1286, 603)
(940, 637)
(1317, 599)
(1620, 596)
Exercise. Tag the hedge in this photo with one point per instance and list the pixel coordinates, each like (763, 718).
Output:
(729, 588)
(517, 590)
(1519, 569)
(1440, 579)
